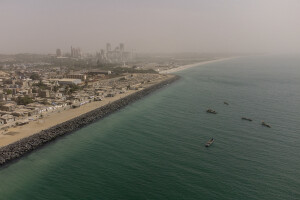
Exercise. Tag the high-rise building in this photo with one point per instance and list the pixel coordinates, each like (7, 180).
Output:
(75, 52)
(72, 51)
(115, 55)
(108, 47)
(122, 48)
(58, 53)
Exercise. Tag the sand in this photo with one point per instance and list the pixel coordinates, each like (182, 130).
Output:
(177, 69)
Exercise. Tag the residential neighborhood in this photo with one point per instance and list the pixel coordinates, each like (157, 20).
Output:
(29, 95)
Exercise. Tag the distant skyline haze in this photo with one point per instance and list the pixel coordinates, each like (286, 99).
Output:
(231, 26)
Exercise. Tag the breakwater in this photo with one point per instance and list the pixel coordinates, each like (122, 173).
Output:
(26, 145)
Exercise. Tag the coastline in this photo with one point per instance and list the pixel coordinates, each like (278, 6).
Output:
(177, 69)
(16, 149)
(14, 134)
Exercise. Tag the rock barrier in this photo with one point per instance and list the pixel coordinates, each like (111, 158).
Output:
(26, 145)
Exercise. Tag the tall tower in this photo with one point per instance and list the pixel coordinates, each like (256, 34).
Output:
(108, 47)
(72, 52)
(122, 48)
(58, 53)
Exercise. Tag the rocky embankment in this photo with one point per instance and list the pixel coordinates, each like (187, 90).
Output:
(26, 145)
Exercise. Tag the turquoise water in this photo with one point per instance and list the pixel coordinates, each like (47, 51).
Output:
(154, 148)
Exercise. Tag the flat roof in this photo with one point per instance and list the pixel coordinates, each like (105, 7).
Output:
(65, 79)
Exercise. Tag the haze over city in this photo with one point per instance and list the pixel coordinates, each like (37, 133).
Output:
(150, 99)
(231, 26)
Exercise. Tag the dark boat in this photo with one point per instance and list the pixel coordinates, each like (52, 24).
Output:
(264, 124)
(248, 119)
(211, 111)
(226, 103)
(209, 142)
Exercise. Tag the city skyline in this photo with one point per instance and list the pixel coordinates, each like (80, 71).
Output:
(160, 99)
(270, 26)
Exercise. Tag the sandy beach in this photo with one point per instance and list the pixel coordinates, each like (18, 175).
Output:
(177, 69)
(51, 119)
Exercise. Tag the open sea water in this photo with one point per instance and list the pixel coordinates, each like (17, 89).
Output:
(154, 148)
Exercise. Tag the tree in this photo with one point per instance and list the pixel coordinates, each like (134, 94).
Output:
(55, 88)
(8, 91)
(74, 88)
(24, 100)
(41, 85)
(35, 77)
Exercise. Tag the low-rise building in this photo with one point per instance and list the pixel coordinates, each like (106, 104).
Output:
(76, 76)
(45, 93)
(2, 122)
(8, 107)
(7, 118)
(67, 81)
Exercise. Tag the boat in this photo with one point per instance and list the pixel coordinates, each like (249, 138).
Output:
(248, 119)
(226, 103)
(211, 111)
(265, 124)
(209, 142)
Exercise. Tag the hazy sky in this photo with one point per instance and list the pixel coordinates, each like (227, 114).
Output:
(41, 26)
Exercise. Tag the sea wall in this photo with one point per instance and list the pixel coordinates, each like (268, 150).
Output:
(26, 145)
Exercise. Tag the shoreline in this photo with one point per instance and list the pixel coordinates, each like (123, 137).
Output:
(15, 133)
(17, 149)
(184, 67)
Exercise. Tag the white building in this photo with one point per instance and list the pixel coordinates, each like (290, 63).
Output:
(67, 81)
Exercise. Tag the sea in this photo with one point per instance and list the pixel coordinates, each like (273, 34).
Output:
(155, 147)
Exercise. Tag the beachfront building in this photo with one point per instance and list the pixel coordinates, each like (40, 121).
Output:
(8, 107)
(76, 76)
(67, 81)
(7, 118)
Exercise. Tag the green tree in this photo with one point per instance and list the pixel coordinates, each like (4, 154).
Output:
(41, 85)
(35, 77)
(8, 91)
(74, 88)
(55, 88)
(24, 100)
